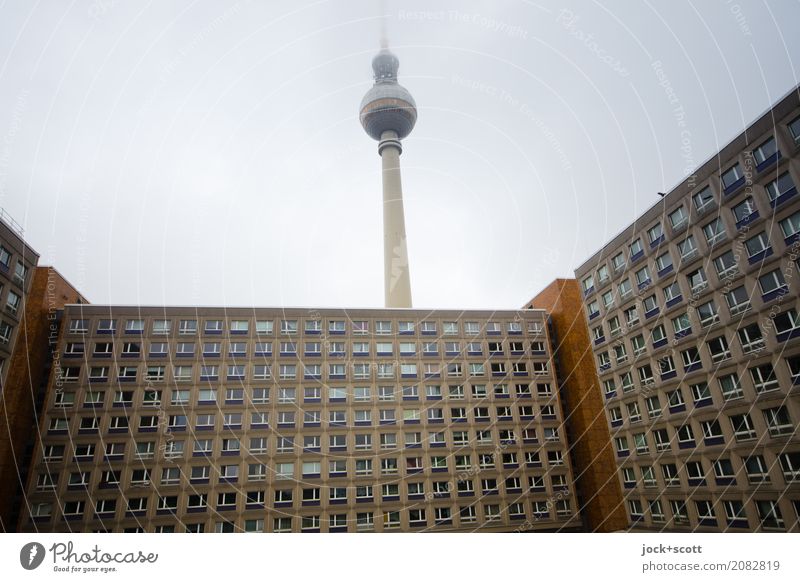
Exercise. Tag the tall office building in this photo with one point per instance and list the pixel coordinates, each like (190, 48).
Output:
(32, 298)
(693, 316)
(214, 419)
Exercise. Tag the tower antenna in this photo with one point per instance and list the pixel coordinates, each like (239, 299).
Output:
(384, 40)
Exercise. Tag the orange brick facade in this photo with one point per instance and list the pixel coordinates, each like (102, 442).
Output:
(26, 382)
(596, 477)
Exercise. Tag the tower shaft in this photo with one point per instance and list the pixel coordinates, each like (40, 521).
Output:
(397, 279)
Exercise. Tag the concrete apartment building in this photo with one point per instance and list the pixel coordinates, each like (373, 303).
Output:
(692, 312)
(298, 420)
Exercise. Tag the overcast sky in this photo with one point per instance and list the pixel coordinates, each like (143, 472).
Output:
(210, 153)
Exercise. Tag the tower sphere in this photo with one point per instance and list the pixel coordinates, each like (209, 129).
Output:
(387, 106)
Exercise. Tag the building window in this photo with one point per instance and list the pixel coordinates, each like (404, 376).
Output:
(718, 348)
(764, 378)
(264, 327)
(635, 247)
(778, 421)
(685, 434)
(703, 199)
(779, 186)
(771, 282)
(738, 300)
(626, 381)
(681, 323)
(708, 313)
(599, 335)
(618, 261)
(794, 129)
(756, 468)
(700, 393)
(786, 322)
(658, 334)
(656, 511)
(13, 301)
(643, 276)
(288, 327)
(791, 225)
(635, 509)
(5, 257)
(631, 316)
(472, 328)
(450, 328)
(770, 514)
(655, 233)
(714, 231)
(744, 209)
(650, 304)
(688, 248)
(757, 244)
(666, 365)
(711, 429)
(664, 262)
(794, 368)
(430, 348)
(698, 281)
(731, 387)
(678, 218)
(763, 152)
(391, 520)
(625, 289)
(694, 469)
(691, 357)
(383, 327)
(672, 291)
(726, 265)
(723, 469)
(743, 427)
(260, 395)
(675, 398)
(790, 465)
(161, 326)
(79, 326)
(705, 510)
(732, 175)
(680, 515)
(640, 442)
(653, 405)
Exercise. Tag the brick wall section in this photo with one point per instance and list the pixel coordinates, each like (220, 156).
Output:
(27, 379)
(595, 467)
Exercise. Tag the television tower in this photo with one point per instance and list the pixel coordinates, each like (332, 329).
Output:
(388, 114)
